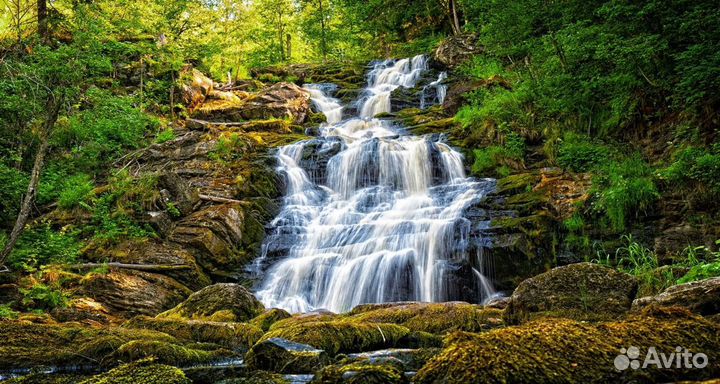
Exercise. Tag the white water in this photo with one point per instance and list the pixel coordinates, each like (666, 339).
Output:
(387, 223)
(440, 90)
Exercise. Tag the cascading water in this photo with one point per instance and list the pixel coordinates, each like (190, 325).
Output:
(383, 221)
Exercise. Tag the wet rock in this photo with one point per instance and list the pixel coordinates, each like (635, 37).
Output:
(456, 50)
(583, 291)
(219, 302)
(128, 293)
(409, 359)
(284, 356)
(257, 377)
(701, 297)
(236, 336)
(171, 353)
(362, 373)
(568, 351)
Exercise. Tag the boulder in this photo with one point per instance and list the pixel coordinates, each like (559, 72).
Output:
(701, 297)
(408, 359)
(225, 302)
(284, 356)
(361, 373)
(270, 317)
(128, 293)
(140, 372)
(282, 100)
(178, 192)
(569, 351)
(456, 50)
(583, 291)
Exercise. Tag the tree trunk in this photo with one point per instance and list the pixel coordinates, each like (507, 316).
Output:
(455, 19)
(289, 47)
(42, 19)
(53, 109)
(323, 41)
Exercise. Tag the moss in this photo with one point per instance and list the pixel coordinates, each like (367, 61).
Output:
(42, 378)
(340, 335)
(361, 373)
(568, 351)
(258, 377)
(516, 183)
(28, 345)
(230, 335)
(269, 318)
(280, 355)
(433, 317)
(168, 353)
(310, 317)
(218, 302)
(141, 372)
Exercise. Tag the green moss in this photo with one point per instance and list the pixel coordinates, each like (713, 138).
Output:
(433, 317)
(567, 351)
(141, 372)
(42, 378)
(168, 353)
(230, 335)
(360, 374)
(218, 302)
(257, 377)
(28, 345)
(270, 317)
(339, 335)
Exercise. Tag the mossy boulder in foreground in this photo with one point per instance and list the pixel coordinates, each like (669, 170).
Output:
(361, 373)
(583, 291)
(270, 317)
(219, 302)
(141, 372)
(568, 351)
(280, 355)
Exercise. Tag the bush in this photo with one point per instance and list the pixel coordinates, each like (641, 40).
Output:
(77, 190)
(14, 184)
(7, 313)
(696, 165)
(165, 136)
(41, 296)
(498, 159)
(44, 245)
(622, 188)
(580, 154)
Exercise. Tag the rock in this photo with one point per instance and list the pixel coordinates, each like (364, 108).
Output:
(339, 336)
(129, 293)
(270, 317)
(409, 359)
(195, 87)
(171, 353)
(583, 291)
(456, 50)
(437, 318)
(178, 192)
(257, 377)
(141, 372)
(219, 302)
(284, 356)
(361, 373)
(83, 310)
(282, 100)
(568, 351)
(28, 345)
(701, 297)
(236, 336)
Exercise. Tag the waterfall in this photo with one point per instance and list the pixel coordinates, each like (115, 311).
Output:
(383, 222)
(440, 90)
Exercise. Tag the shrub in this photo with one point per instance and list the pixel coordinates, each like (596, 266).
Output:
(165, 136)
(7, 313)
(622, 188)
(580, 154)
(574, 223)
(696, 165)
(44, 245)
(77, 190)
(43, 297)
(497, 158)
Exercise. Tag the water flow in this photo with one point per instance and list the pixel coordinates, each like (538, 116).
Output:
(385, 224)
(440, 91)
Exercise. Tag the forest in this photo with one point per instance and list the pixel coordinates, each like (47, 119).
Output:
(358, 191)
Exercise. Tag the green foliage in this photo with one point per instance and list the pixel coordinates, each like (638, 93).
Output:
(14, 184)
(701, 272)
(165, 136)
(77, 190)
(574, 223)
(580, 154)
(8, 313)
(624, 188)
(696, 165)
(498, 158)
(41, 296)
(44, 245)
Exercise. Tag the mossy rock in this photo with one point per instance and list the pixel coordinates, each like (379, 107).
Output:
(44, 378)
(258, 377)
(230, 335)
(168, 353)
(219, 302)
(339, 336)
(270, 317)
(437, 318)
(361, 373)
(141, 372)
(309, 317)
(409, 359)
(568, 351)
(27, 345)
(583, 291)
(284, 356)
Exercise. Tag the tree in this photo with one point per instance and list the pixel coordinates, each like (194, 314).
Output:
(21, 16)
(42, 19)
